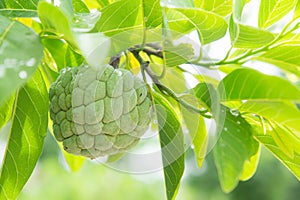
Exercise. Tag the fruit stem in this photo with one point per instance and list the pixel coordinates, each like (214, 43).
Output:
(164, 89)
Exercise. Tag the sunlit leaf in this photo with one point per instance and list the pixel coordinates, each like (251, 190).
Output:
(177, 3)
(173, 77)
(297, 10)
(55, 20)
(271, 11)
(178, 54)
(172, 145)
(285, 56)
(197, 130)
(25, 144)
(79, 6)
(243, 36)
(21, 52)
(184, 20)
(120, 16)
(279, 112)
(238, 6)
(250, 166)
(221, 7)
(265, 137)
(75, 163)
(246, 84)
(6, 109)
(152, 13)
(20, 8)
(291, 163)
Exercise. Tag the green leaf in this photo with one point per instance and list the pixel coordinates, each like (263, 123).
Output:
(208, 95)
(238, 7)
(173, 78)
(247, 84)
(291, 163)
(243, 36)
(286, 140)
(75, 163)
(20, 8)
(62, 54)
(210, 26)
(152, 13)
(250, 166)
(6, 109)
(266, 137)
(21, 52)
(197, 130)
(120, 16)
(178, 3)
(25, 144)
(220, 7)
(178, 54)
(234, 147)
(279, 112)
(55, 20)
(297, 10)
(271, 11)
(79, 6)
(285, 56)
(172, 145)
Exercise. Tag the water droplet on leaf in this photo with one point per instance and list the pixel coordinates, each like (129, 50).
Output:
(84, 22)
(30, 62)
(23, 74)
(225, 129)
(235, 112)
(238, 122)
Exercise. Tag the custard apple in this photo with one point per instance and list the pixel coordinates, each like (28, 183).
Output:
(99, 112)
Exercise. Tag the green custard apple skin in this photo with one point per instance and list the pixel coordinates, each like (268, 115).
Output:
(99, 112)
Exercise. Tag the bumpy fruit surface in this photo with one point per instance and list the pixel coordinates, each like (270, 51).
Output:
(98, 112)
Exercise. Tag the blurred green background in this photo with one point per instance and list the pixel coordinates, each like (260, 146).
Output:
(52, 180)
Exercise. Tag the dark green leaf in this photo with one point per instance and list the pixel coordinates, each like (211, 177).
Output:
(20, 8)
(172, 145)
(21, 52)
(25, 144)
(245, 84)
(234, 147)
